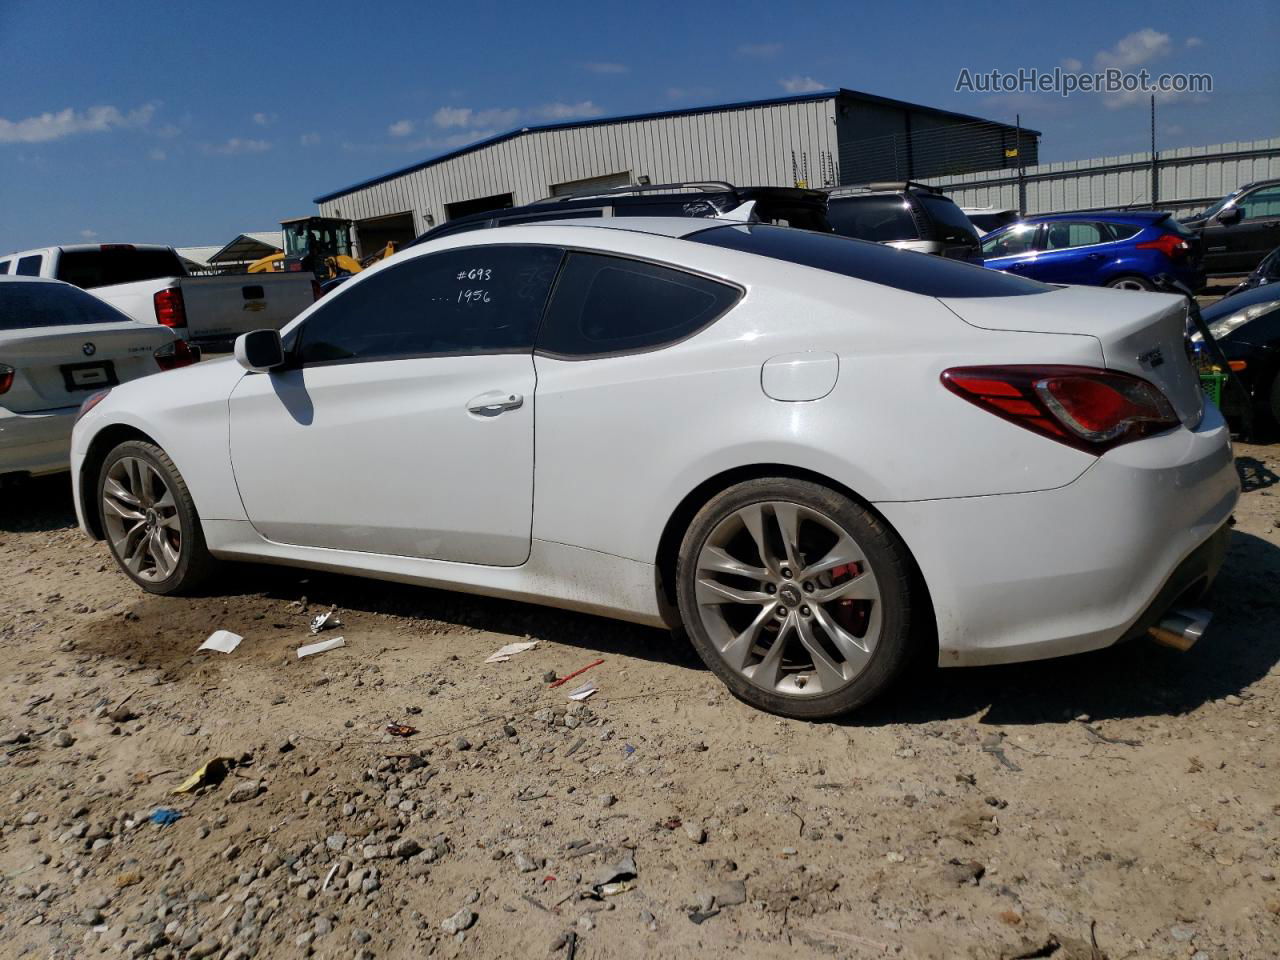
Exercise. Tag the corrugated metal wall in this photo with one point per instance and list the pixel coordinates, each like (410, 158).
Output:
(1188, 179)
(749, 146)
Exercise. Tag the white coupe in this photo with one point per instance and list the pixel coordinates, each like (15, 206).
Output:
(816, 455)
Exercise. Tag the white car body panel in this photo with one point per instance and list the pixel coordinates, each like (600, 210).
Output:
(618, 442)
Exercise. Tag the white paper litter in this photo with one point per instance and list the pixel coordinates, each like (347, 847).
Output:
(325, 621)
(584, 691)
(321, 647)
(224, 641)
(510, 650)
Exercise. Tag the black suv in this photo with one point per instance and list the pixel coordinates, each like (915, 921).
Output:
(904, 214)
(1239, 230)
(786, 206)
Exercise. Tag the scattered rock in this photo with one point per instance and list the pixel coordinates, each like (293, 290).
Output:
(462, 920)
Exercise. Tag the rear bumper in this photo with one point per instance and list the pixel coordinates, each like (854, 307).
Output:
(36, 443)
(1036, 575)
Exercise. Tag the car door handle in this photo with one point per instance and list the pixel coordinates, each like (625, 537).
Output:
(494, 402)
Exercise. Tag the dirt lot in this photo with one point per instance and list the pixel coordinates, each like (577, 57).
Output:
(1128, 799)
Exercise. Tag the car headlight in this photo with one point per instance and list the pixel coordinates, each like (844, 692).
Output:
(1220, 328)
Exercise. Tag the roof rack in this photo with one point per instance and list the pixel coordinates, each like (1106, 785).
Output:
(882, 186)
(703, 186)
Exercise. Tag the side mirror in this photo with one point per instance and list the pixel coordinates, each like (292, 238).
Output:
(259, 350)
(1229, 216)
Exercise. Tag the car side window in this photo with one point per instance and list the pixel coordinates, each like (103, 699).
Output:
(1063, 236)
(1019, 238)
(1260, 204)
(1123, 231)
(606, 305)
(29, 266)
(478, 299)
(880, 219)
(4, 267)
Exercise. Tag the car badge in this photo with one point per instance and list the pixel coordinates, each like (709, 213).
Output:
(253, 306)
(1152, 358)
(88, 349)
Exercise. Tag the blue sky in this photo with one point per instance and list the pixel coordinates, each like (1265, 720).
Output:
(164, 122)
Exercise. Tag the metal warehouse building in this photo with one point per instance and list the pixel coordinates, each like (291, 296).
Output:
(823, 138)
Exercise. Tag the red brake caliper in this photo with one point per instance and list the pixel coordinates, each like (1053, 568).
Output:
(852, 615)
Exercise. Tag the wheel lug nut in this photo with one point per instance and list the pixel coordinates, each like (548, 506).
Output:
(805, 611)
(808, 587)
(770, 588)
(786, 572)
(781, 613)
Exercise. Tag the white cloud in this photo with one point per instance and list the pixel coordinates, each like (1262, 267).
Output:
(88, 234)
(765, 51)
(799, 84)
(1194, 42)
(1134, 50)
(264, 119)
(65, 123)
(466, 117)
(401, 128)
(158, 155)
(604, 66)
(236, 146)
(309, 139)
(1071, 64)
(567, 111)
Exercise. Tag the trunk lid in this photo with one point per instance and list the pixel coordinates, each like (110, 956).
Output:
(60, 366)
(223, 307)
(1143, 334)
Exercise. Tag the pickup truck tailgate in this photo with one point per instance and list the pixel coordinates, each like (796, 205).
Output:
(223, 307)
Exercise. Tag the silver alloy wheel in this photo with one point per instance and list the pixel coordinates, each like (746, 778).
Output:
(1127, 284)
(141, 517)
(788, 598)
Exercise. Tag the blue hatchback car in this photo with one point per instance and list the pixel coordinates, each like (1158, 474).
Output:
(1121, 249)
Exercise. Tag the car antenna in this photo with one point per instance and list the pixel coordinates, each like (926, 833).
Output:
(743, 213)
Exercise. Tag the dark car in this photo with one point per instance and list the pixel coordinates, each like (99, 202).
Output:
(1124, 249)
(1268, 271)
(904, 214)
(1239, 230)
(1247, 327)
(785, 206)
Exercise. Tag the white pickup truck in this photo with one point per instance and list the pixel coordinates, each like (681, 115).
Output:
(149, 283)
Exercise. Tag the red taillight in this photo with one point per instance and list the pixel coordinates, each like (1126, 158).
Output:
(6, 377)
(174, 355)
(316, 292)
(90, 402)
(170, 310)
(1086, 408)
(1171, 245)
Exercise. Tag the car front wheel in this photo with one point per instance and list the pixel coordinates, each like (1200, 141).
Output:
(795, 596)
(150, 521)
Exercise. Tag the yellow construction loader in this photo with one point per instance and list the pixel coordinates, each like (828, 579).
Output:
(321, 245)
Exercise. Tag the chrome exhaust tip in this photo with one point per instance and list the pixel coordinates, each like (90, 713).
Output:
(1180, 629)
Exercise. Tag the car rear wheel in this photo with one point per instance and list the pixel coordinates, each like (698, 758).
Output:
(150, 521)
(796, 597)
(1131, 282)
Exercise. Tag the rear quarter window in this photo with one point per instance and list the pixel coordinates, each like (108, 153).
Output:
(608, 305)
(901, 269)
(29, 266)
(26, 305)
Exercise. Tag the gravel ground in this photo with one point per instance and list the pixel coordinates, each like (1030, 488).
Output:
(1120, 804)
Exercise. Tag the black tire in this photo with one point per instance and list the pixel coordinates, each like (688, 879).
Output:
(1130, 279)
(195, 566)
(885, 553)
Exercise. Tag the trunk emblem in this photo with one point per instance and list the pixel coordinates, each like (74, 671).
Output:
(88, 349)
(1152, 358)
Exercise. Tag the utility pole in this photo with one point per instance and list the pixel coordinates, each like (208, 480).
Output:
(1155, 160)
(1022, 178)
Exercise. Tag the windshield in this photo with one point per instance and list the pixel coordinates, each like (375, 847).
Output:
(914, 272)
(326, 239)
(950, 222)
(108, 265)
(1217, 207)
(26, 305)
